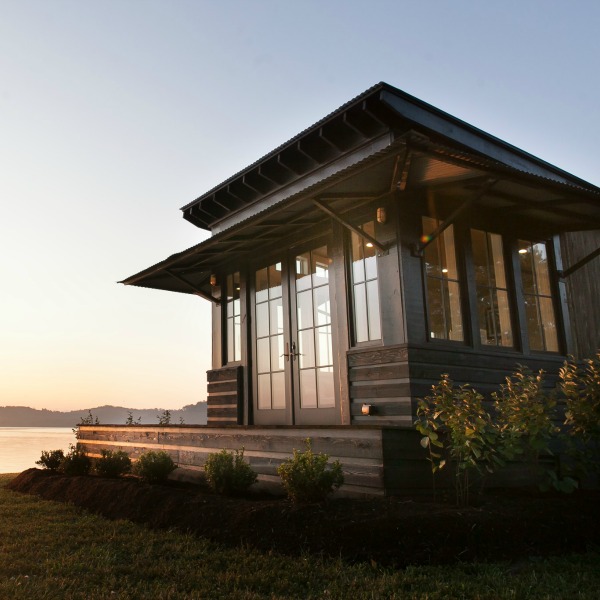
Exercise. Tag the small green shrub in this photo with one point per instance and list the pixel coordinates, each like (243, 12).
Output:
(454, 424)
(51, 459)
(113, 464)
(154, 467)
(307, 477)
(76, 462)
(164, 418)
(228, 473)
(581, 387)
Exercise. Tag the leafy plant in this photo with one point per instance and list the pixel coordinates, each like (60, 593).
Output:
(51, 459)
(228, 472)
(526, 416)
(90, 419)
(307, 477)
(454, 424)
(154, 466)
(581, 388)
(76, 462)
(130, 421)
(164, 418)
(113, 464)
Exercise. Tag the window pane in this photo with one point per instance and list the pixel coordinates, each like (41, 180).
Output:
(526, 261)
(308, 389)
(276, 316)
(262, 319)
(358, 269)
(264, 391)
(534, 327)
(306, 347)
(326, 387)
(230, 343)
(303, 272)
(437, 327)
(277, 358)
(542, 277)
(322, 306)
(320, 266)
(324, 347)
(506, 337)
(497, 257)
(275, 281)
(237, 338)
(373, 310)
(361, 325)
(263, 362)
(487, 332)
(304, 309)
(278, 396)
(431, 253)
(480, 263)
(454, 318)
(549, 324)
(262, 285)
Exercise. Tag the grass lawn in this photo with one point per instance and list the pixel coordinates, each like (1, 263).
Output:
(56, 551)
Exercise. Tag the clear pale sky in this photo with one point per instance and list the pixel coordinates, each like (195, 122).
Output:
(114, 114)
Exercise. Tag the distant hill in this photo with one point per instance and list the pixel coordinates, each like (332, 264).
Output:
(22, 416)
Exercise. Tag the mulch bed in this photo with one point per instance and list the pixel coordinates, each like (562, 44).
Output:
(386, 531)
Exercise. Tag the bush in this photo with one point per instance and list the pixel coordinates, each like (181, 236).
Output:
(154, 467)
(76, 462)
(469, 436)
(581, 387)
(307, 478)
(51, 460)
(113, 464)
(228, 472)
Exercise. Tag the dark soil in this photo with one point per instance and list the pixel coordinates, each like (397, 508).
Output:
(386, 531)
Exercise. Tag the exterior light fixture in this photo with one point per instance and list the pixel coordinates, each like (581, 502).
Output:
(369, 245)
(213, 280)
(444, 270)
(381, 215)
(367, 409)
(523, 250)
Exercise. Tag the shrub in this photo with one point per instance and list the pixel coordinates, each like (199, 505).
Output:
(51, 460)
(307, 477)
(164, 418)
(455, 424)
(113, 464)
(154, 467)
(228, 472)
(76, 462)
(581, 387)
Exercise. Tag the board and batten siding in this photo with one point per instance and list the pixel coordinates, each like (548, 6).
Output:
(583, 291)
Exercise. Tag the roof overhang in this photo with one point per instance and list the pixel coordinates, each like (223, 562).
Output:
(384, 170)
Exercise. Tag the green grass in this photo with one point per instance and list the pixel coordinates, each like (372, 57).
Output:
(56, 551)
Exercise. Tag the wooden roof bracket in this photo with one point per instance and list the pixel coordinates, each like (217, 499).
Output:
(383, 248)
(580, 263)
(417, 249)
(196, 291)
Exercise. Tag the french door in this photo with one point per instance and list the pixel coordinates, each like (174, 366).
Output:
(292, 339)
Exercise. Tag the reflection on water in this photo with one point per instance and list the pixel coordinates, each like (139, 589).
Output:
(20, 447)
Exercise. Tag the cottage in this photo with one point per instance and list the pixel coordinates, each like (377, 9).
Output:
(348, 268)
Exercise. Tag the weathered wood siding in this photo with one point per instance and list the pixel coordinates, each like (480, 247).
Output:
(358, 449)
(583, 291)
(225, 396)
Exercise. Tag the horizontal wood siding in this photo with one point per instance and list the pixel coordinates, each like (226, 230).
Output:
(225, 396)
(265, 448)
(378, 378)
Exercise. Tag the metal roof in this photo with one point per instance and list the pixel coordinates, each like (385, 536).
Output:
(552, 205)
(381, 112)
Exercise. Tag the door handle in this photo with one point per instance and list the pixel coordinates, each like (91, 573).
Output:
(290, 353)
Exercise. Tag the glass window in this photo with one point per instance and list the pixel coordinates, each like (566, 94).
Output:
(539, 306)
(269, 337)
(233, 324)
(365, 288)
(493, 310)
(442, 284)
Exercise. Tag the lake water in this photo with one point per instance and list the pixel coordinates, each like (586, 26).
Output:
(20, 447)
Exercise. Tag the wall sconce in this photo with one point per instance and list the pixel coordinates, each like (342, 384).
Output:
(367, 409)
(381, 215)
(213, 280)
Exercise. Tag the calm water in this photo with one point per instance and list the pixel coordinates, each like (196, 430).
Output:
(20, 447)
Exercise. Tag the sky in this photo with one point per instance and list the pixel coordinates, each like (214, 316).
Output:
(115, 114)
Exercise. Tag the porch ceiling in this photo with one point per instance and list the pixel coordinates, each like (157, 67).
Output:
(411, 163)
